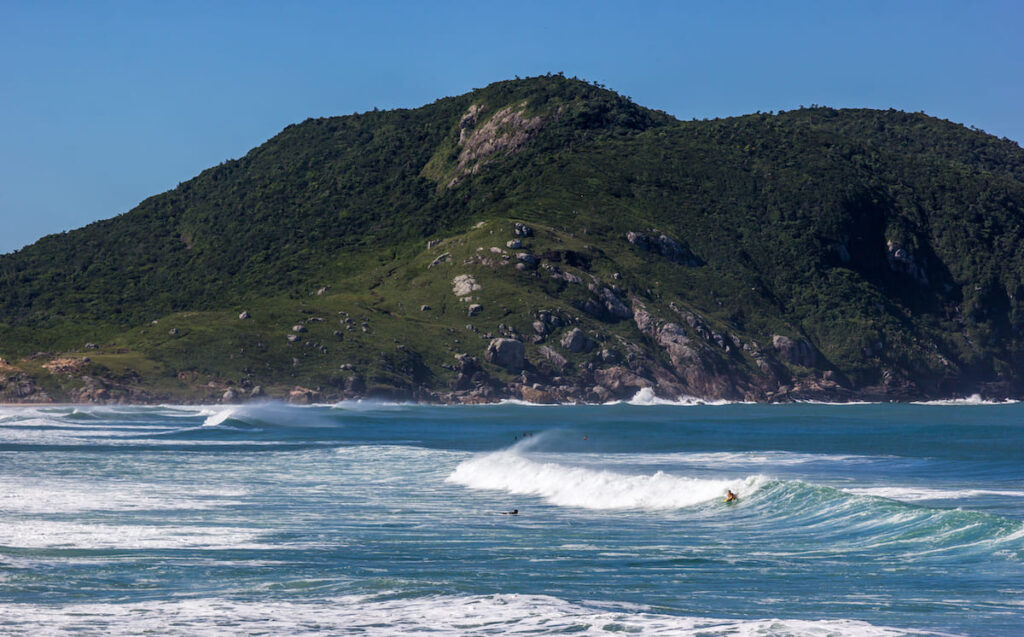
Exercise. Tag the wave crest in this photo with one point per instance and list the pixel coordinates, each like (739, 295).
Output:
(565, 485)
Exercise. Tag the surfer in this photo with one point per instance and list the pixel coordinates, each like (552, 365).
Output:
(512, 512)
(730, 496)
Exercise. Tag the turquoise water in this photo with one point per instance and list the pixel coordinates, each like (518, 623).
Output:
(380, 519)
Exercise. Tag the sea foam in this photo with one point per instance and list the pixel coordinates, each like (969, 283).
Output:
(574, 486)
(645, 397)
(969, 401)
(437, 615)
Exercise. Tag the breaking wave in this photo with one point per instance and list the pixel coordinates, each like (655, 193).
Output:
(587, 488)
(837, 520)
(968, 401)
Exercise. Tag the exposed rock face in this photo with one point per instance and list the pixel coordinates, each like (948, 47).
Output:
(665, 246)
(620, 382)
(616, 308)
(551, 319)
(354, 385)
(303, 396)
(554, 358)
(468, 367)
(230, 396)
(528, 260)
(576, 341)
(468, 121)
(901, 260)
(700, 371)
(704, 330)
(607, 306)
(440, 259)
(506, 352)
(676, 344)
(475, 309)
(506, 131)
(65, 365)
(537, 395)
(17, 386)
(464, 285)
(798, 352)
(521, 230)
(244, 315)
(299, 329)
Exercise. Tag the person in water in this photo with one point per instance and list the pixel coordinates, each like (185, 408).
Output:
(730, 496)
(512, 512)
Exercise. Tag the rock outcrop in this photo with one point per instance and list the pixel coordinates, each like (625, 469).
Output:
(665, 246)
(507, 353)
(577, 342)
(798, 352)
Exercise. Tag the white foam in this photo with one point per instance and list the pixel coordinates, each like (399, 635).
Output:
(645, 397)
(825, 403)
(438, 615)
(972, 400)
(218, 417)
(761, 458)
(526, 403)
(368, 404)
(575, 486)
(33, 497)
(915, 494)
(48, 534)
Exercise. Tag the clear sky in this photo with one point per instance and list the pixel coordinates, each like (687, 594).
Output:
(103, 104)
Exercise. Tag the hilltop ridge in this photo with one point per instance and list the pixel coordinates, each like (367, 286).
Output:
(550, 240)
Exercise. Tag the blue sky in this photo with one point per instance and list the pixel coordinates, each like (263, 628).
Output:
(103, 104)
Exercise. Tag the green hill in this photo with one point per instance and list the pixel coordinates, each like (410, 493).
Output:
(817, 253)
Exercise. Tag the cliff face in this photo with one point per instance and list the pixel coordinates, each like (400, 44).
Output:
(548, 240)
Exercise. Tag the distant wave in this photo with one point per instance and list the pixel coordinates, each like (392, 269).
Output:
(916, 494)
(826, 403)
(970, 401)
(390, 615)
(369, 404)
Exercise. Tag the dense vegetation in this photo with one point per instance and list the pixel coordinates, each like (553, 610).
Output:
(890, 241)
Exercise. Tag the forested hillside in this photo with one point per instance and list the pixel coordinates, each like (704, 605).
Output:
(545, 239)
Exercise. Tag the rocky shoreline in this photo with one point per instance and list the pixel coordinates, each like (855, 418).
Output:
(680, 359)
(475, 386)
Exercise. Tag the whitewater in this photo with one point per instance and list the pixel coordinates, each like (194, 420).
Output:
(376, 518)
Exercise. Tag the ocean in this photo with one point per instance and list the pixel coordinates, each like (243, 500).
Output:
(379, 519)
